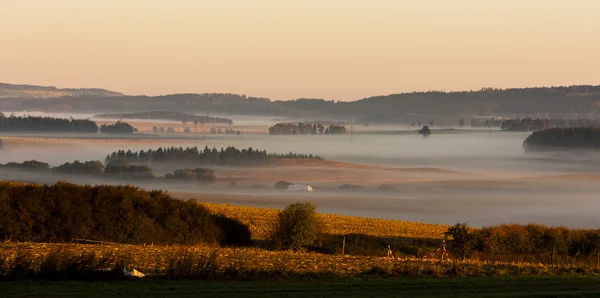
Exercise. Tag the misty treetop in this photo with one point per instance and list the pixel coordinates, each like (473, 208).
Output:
(191, 155)
(534, 124)
(168, 115)
(118, 127)
(36, 123)
(29, 165)
(305, 129)
(563, 138)
(80, 168)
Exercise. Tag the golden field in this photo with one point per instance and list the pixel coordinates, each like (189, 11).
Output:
(260, 221)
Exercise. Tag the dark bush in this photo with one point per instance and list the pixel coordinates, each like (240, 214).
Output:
(297, 227)
(282, 184)
(123, 214)
(235, 232)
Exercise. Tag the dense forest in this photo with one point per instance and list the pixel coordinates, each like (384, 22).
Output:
(168, 115)
(305, 129)
(118, 127)
(531, 124)
(443, 107)
(563, 138)
(31, 123)
(191, 155)
(123, 214)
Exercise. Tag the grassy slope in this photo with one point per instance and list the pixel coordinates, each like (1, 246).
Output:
(444, 287)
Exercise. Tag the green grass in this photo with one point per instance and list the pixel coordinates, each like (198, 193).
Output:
(406, 287)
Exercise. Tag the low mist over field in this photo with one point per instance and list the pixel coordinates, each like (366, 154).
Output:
(480, 176)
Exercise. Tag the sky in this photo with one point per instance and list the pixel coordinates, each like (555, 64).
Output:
(332, 49)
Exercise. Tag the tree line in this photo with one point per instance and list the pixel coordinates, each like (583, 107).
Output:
(191, 155)
(305, 129)
(123, 214)
(37, 123)
(534, 124)
(563, 138)
(115, 169)
(168, 115)
(532, 239)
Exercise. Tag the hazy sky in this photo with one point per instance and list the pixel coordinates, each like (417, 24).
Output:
(342, 50)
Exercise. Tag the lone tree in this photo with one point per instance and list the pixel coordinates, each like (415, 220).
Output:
(297, 227)
(425, 131)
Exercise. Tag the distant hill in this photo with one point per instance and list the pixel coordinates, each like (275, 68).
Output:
(31, 91)
(444, 108)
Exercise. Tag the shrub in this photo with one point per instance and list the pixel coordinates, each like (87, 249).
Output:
(351, 187)
(297, 227)
(386, 188)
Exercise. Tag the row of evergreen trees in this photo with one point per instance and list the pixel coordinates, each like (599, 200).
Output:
(123, 214)
(563, 138)
(531, 124)
(287, 128)
(36, 123)
(191, 155)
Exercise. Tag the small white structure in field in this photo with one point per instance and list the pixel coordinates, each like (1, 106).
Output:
(295, 187)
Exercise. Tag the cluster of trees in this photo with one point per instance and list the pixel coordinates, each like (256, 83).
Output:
(425, 131)
(534, 124)
(168, 115)
(305, 129)
(118, 127)
(36, 123)
(123, 214)
(198, 174)
(30, 165)
(80, 168)
(524, 239)
(124, 169)
(191, 155)
(563, 138)
(1, 145)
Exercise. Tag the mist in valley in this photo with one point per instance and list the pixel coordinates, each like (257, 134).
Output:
(466, 176)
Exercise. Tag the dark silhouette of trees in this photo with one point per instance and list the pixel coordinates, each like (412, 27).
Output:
(531, 124)
(30, 165)
(118, 127)
(80, 168)
(199, 174)
(1, 145)
(123, 214)
(425, 131)
(124, 169)
(305, 129)
(167, 115)
(31, 123)
(461, 122)
(191, 156)
(563, 138)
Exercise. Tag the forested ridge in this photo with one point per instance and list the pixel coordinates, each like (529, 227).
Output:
(404, 107)
(37, 123)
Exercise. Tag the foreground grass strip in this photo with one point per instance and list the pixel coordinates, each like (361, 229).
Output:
(407, 287)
